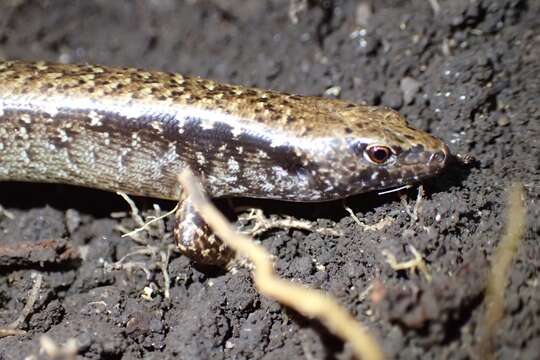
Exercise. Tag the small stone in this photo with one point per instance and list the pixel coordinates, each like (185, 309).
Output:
(363, 14)
(409, 87)
(334, 91)
(503, 120)
(73, 220)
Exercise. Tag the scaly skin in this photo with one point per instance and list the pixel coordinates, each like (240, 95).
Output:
(134, 131)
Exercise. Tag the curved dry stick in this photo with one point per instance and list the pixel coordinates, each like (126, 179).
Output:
(516, 225)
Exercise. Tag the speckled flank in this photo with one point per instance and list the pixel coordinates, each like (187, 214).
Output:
(134, 130)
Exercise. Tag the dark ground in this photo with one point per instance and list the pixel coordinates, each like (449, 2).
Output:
(477, 64)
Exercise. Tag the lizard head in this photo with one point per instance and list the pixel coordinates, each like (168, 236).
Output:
(372, 148)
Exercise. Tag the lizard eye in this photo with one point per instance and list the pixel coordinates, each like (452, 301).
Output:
(378, 154)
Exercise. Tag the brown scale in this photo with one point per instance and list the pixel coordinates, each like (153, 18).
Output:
(134, 131)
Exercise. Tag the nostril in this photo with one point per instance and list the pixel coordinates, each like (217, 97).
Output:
(439, 156)
(446, 151)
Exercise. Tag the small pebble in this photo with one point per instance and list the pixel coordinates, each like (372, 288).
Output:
(503, 120)
(409, 87)
(363, 14)
(73, 220)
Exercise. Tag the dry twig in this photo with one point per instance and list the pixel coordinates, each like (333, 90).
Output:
(11, 329)
(416, 263)
(413, 213)
(154, 226)
(263, 224)
(500, 269)
(375, 227)
(68, 351)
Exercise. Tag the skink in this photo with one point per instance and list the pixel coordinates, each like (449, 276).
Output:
(134, 131)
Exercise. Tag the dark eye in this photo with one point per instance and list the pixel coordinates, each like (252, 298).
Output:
(378, 154)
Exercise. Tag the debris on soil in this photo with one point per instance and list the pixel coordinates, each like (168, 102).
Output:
(11, 329)
(500, 270)
(39, 255)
